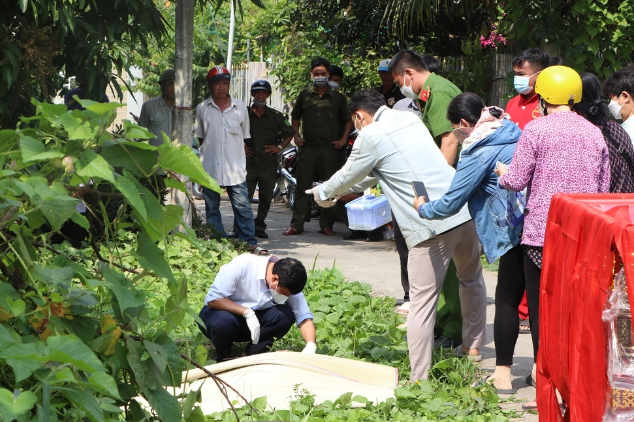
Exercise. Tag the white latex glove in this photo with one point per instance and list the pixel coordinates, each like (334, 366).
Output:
(310, 348)
(324, 204)
(254, 325)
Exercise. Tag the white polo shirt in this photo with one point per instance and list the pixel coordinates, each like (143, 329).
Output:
(223, 132)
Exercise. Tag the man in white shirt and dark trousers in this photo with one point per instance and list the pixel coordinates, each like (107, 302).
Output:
(257, 299)
(222, 125)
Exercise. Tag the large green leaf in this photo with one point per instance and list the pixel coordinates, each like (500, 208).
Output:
(24, 358)
(34, 150)
(131, 156)
(132, 131)
(146, 372)
(69, 349)
(127, 296)
(165, 404)
(157, 353)
(182, 159)
(83, 399)
(78, 128)
(172, 373)
(103, 108)
(92, 164)
(131, 193)
(14, 405)
(153, 258)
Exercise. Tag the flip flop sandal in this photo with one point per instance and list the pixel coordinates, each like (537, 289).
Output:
(532, 406)
(490, 379)
(525, 327)
(530, 380)
(256, 250)
(458, 352)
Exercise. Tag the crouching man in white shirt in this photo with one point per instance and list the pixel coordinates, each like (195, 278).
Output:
(257, 299)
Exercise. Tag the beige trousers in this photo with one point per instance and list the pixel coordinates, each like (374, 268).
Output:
(427, 265)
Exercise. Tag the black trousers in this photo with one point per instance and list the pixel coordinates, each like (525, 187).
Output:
(225, 328)
(508, 296)
(533, 274)
(403, 253)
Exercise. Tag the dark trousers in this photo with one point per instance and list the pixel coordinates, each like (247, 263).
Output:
(314, 163)
(242, 212)
(225, 328)
(264, 175)
(508, 296)
(533, 273)
(403, 253)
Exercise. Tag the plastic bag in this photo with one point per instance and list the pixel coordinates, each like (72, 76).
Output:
(617, 320)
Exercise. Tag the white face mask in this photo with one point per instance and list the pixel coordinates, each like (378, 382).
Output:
(407, 91)
(355, 124)
(279, 298)
(615, 109)
(333, 85)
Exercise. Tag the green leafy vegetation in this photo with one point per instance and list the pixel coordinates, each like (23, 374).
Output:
(83, 331)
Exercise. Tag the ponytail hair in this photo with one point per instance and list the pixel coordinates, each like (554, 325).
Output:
(591, 106)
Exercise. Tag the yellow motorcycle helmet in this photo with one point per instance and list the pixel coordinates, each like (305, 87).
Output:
(559, 85)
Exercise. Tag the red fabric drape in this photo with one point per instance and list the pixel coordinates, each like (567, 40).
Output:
(577, 271)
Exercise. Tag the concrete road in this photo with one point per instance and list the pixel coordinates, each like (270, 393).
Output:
(377, 264)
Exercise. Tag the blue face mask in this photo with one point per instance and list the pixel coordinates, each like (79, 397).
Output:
(521, 83)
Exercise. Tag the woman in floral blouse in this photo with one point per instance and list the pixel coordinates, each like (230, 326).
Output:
(560, 152)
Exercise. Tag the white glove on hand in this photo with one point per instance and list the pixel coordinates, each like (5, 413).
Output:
(254, 325)
(324, 204)
(310, 348)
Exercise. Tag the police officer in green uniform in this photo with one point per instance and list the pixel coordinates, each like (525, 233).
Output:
(262, 150)
(321, 111)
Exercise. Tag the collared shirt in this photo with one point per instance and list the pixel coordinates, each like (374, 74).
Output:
(523, 110)
(223, 132)
(243, 281)
(393, 96)
(322, 116)
(435, 97)
(156, 116)
(264, 130)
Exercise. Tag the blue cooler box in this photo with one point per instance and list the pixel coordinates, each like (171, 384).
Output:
(368, 212)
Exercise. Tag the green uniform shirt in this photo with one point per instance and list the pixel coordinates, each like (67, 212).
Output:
(264, 130)
(322, 117)
(435, 97)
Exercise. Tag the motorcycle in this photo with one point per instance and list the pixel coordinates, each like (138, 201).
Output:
(286, 183)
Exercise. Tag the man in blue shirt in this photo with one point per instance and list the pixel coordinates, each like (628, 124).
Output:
(82, 92)
(257, 299)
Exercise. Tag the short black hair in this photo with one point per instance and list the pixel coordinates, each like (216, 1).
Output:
(466, 106)
(406, 59)
(319, 61)
(534, 56)
(591, 106)
(368, 100)
(335, 70)
(432, 63)
(620, 81)
(556, 61)
(292, 274)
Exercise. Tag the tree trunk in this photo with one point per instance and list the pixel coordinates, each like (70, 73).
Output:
(183, 111)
